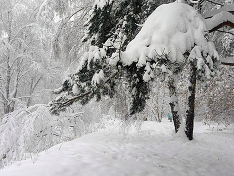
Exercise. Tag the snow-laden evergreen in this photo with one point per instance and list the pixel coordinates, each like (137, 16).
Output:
(110, 27)
(128, 51)
(174, 31)
(175, 35)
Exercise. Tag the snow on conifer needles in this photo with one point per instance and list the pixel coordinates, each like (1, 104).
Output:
(173, 35)
(56, 107)
(172, 29)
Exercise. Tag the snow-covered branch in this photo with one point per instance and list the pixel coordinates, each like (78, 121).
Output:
(219, 20)
(26, 26)
(18, 57)
(194, 2)
(57, 106)
(227, 61)
(3, 95)
(225, 8)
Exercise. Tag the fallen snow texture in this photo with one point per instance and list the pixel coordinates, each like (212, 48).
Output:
(219, 19)
(225, 8)
(153, 151)
(171, 29)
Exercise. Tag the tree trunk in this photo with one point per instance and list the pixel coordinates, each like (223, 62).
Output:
(174, 104)
(7, 107)
(191, 102)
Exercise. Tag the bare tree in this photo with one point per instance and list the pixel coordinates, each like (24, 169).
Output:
(23, 46)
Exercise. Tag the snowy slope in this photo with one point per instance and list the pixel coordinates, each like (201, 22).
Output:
(153, 151)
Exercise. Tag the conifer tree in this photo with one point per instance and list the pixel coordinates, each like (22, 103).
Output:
(161, 49)
(110, 27)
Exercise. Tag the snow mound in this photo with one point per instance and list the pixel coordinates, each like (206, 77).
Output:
(172, 29)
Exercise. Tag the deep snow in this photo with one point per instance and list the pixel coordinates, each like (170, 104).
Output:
(151, 151)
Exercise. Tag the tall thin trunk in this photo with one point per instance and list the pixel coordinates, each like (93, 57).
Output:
(32, 89)
(174, 104)
(7, 105)
(191, 102)
(7, 108)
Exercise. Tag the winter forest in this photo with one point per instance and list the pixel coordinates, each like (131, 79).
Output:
(116, 87)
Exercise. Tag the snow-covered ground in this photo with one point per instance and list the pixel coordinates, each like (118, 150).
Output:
(151, 151)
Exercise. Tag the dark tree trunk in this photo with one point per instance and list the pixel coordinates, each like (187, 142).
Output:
(174, 103)
(191, 102)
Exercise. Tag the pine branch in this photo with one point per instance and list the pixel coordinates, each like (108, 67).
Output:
(72, 100)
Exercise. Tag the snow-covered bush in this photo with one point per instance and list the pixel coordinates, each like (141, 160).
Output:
(34, 129)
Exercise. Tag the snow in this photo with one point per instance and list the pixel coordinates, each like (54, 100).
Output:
(196, 53)
(153, 150)
(148, 73)
(181, 1)
(75, 89)
(219, 19)
(164, 68)
(225, 8)
(93, 54)
(97, 77)
(114, 59)
(4, 35)
(172, 29)
(102, 3)
(228, 60)
(58, 90)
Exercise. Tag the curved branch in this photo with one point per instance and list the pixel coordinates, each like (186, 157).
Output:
(228, 23)
(227, 61)
(226, 8)
(72, 100)
(219, 20)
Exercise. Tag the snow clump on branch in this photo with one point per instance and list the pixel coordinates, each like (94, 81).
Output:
(102, 3)
(172, 31)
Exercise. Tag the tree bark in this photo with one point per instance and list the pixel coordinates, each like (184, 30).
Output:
(174, 104)
(191, 102)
